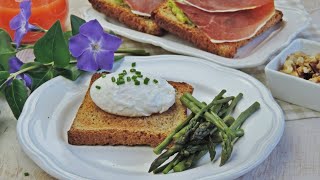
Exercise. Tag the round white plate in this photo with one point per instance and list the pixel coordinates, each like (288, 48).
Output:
(253, 54)
(48, 114)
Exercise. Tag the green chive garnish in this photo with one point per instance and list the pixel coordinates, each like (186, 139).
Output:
(138, 73)
(146, 81)
(113, 79)
(133, 64)
(120, 81)
(103, 75)
(134, 77)
(155, 81)
(98, 87)
(128, 79)
(136, 82)
(132, 70)
(124, 72)
(26, 174)
(121, 75)
(139, 76)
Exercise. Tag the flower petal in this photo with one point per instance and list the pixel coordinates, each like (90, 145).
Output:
(78, 44)
(19, 34)
(27, 79)
(92, 30)
(14, 64)
(25, 9)
(110, 42)
(87, 62)
(16, 22)
(105, 59)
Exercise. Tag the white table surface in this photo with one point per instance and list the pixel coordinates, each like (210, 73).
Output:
(297, 156)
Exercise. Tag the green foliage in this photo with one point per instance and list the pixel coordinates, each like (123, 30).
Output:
(6, 49)
(16, 94)
(76, 22)
(52, 47)
(70, 72)
(40, 75)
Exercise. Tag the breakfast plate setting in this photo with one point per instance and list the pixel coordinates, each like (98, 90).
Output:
(89, 107)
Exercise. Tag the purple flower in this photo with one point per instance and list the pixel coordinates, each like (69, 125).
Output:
(20, 23)
(15, 65)
(93, 48)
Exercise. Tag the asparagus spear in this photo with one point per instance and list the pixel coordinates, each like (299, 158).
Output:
(168, 139)
(173, 163)
(233, 104)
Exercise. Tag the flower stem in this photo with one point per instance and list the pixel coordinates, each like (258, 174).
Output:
(14, 75)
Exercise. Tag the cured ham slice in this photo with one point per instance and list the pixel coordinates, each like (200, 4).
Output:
(227, 5)
(143, 7)
(229, 26)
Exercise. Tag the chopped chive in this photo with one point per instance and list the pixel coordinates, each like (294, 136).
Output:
(136, 82)
(138, 73)
(134, 77)
(140, 76)
(26, 174)
(132, 70)
(133, 64)
(120, 82)
(124, 72)
(121, 75)
(103, 75)
(128, 79)
(113, 79)
(146, 81)
(98, 87)
(155, 81)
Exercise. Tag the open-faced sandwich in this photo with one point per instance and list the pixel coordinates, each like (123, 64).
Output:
(136, 14)
(128, 108)
(217, 26)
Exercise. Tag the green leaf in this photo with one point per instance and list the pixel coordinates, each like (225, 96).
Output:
(1, 68)
(6, 49)
(67, 35)
(3, 76)
(52, 47)
(29, 64)
(118, 58)
(40, 76)
(16, 94)
(70, 72)
(76, 22)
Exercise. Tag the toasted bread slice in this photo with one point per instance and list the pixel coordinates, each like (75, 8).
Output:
(167, 20)
(122, 13)
(93, 126)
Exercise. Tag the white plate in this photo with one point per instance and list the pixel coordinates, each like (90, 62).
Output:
(48, 114)
(253, 54)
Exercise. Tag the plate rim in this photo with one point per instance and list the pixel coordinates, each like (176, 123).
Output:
(266, 147)
(247, 62)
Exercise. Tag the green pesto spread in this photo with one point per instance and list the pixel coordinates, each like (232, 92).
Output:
(178, 13)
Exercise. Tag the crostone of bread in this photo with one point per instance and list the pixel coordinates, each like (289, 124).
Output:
(123, 14)
(93, 126)
(164, 17)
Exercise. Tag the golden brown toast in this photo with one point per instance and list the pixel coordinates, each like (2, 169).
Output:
(93, 126)
(164, 17)
(122, 13)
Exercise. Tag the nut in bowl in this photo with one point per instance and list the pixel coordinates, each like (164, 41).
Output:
(293, 75)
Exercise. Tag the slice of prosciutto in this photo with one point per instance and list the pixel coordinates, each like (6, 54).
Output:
(143, 7)
(229, 26)
(227, 5)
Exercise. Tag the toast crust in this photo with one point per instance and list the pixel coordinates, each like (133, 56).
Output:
(164, 17)
(93, 126)
(124, 15)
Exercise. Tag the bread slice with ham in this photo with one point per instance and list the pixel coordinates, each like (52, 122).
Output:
(133, 13)
(222, 29)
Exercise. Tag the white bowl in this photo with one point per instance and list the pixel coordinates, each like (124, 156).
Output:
(290, 88)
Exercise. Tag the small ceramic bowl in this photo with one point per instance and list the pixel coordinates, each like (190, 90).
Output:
(290, 88)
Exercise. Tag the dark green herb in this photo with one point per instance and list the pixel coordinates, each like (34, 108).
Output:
(140, 76)
(113, 79)
(132, 70)
(133, 64)
(138, 73)
(155, 81)
(124, 72)
(146, 81)
(26, 174)
(136, 82)
(128, 79)
(98, 87)
(134, 77)
(103, 75)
